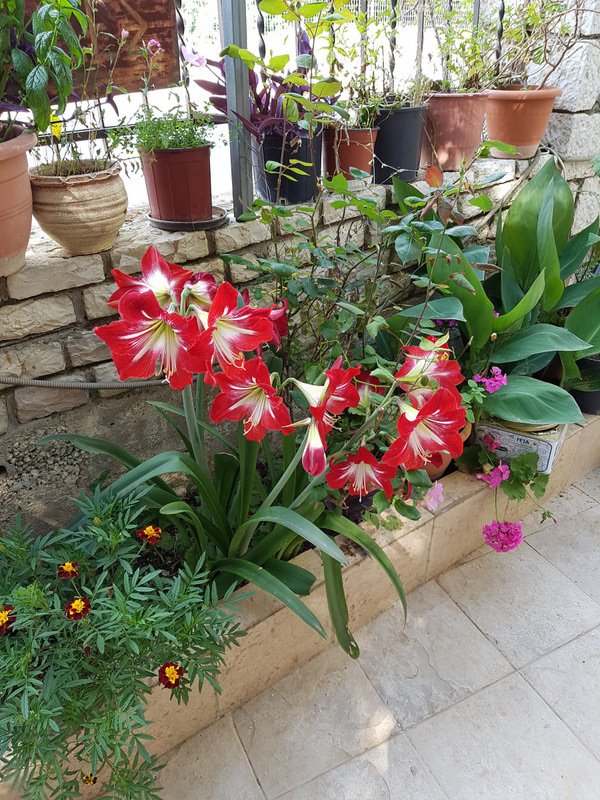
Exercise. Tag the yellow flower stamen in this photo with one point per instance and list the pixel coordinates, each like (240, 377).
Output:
(4, 617)
(77, 606)
(172, 675)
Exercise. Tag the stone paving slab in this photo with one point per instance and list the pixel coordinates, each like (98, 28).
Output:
(476, 728)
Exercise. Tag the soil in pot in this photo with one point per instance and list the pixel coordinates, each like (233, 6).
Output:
(178, 183)
(398, 143)
(519, 117)
(351, 147)
(82, 212)
(15, 198)
(269, 186)
(453, 129)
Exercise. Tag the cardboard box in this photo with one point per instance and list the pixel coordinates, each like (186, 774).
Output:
(514, 443)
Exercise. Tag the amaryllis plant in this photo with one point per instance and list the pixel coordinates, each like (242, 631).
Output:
(306, 449)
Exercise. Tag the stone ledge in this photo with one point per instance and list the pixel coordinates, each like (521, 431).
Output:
(35, 316)
(44, 273)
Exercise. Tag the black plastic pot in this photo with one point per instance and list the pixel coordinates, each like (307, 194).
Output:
(398, 145)
(588, 402)
(303, 188)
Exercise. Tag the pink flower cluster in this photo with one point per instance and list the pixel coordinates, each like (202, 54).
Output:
(497, 476)
(493, 382)
(503, 536)
(490, 443)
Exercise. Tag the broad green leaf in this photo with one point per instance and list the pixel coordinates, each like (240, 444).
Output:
(576, 292)
(547, 251)
(291, 520)
(441, 308)
(533, 364)
(338, 608)
(523, 307)
(477, 307)
(483, 202)
(259, 576)
(277, 63)
(519, 232)
(584, 321)
(407, 248)
(461, 230)
(532, 402)
(273, 6)
(308, 10)
(338, 524)
(533, 340)
(402, 191)
(326, 88)
(574, 254)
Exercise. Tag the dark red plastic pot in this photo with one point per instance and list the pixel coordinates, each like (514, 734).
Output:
(178, 184)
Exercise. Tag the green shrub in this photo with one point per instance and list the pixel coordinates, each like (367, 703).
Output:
(75, 678)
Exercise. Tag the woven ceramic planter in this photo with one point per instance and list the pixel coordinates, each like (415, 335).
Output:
(83, 213)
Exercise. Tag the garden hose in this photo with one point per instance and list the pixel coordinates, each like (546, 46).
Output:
(57, 384)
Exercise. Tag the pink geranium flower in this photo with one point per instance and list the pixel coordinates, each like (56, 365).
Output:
(434, 497)
(503, 536)
(494, 381)
(496, 476)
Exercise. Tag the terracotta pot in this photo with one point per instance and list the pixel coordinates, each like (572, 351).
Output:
(349, 147)
(178, 184)
(435, 473)
(15, 200)
(519, 117)
(453, 129)
(83, 213)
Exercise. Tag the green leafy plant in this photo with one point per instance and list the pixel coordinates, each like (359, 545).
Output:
(39, 53)
(94, 617)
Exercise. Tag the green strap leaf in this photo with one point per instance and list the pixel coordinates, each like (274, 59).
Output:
(584, 321)
(532, 402)
(338, 524)
(576, 292)
(524, 306)
(547, 251)
(338, 608)
(292, 521)
(271, 585)
(299, 580)
(536, 339)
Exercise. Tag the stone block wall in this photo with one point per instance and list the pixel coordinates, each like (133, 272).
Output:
(574, 129)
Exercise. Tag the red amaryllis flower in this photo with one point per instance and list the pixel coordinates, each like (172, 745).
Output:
(7, 618)
(78, 608)
(425, 365)
(70, 569)
(247, 394)
(146, 335)
(232, 330)
(170, 675)
(361, 473)
(150, 534)
(165, 281)
(277, 315)
(89, 779)
(432, 429)
(366, 384)
(200, 291)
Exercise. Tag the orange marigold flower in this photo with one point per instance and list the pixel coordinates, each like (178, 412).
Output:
(70, 569)
(150, 534)
(78, 608)
(89, 778)
(6, 618)
(170, 675)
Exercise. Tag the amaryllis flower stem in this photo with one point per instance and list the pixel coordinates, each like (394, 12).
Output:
(192, 426)
(278, 488)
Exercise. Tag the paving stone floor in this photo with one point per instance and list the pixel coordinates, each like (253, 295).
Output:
(491, 691)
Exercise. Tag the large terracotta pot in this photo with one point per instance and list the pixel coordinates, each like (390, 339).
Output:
(83, 213)
(349, 147)
(519, 117)
(453, 129)
(15, 200)
(178, 184)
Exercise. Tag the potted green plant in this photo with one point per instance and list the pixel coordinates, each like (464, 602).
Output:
(400, 121)
(82, 182)
(455, 104)
(32, 76)
(539, 35)
(175, 148)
